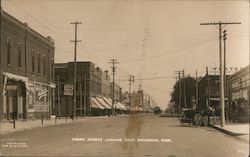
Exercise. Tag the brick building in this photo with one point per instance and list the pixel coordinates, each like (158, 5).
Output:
(239, 94)
(209, 93)
(26, 71)
(88, 90)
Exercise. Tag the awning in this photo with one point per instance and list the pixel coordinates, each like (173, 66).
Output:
(52, 85)
(107, 101)
(120, 106)
(216, 99)
(95, 104)
(17, 78)
(103, 103)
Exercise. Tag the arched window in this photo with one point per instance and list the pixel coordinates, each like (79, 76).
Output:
(19, 51)
(44, 65)
(8, 46)
(39, 63)
(33, 61)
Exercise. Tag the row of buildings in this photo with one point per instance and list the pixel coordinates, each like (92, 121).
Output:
(94, 90)
(32, 85)
(237, 94)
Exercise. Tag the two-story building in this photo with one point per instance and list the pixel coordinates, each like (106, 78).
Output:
(239, 94)
(91, 96)
(26, 71)
(209, 93)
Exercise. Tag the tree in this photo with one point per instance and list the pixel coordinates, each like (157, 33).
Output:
(190, 83)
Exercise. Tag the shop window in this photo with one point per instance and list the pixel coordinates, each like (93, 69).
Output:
(8, 46)
(19, 51)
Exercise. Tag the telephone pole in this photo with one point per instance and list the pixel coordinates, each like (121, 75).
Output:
(179, 84)
(184, 89)
(131, 79)
(196, 90)
(113, 62)
(222, 99)
(75, 42)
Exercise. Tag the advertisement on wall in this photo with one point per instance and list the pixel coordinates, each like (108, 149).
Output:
(41, 98)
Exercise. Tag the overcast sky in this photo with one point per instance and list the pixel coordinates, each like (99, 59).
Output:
(149, 38)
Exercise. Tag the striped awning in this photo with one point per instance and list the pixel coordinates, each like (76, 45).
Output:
(95, 104)
(103, 103)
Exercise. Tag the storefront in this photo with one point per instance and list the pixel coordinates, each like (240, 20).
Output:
(15, 96)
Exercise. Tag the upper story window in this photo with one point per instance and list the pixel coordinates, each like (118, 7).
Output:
(8, 46)
(33, 61)
(19, 51)
(44, 65)
(52, 67)
(39, 63)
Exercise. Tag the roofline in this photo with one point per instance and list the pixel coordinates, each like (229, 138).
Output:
(24, 25)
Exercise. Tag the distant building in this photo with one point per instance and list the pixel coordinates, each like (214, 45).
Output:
(239, 94)
(117, 92)
(26, 71)
(105, 85)
(92, 90)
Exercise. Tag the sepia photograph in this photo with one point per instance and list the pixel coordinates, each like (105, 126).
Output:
(124, 78)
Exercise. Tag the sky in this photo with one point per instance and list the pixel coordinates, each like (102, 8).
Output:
(151, 39)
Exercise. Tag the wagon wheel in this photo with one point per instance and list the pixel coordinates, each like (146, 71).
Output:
(197, 119)
(205, 120)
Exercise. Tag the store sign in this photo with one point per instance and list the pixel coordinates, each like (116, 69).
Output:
(41, 92)
(11, 87)
(68, 89)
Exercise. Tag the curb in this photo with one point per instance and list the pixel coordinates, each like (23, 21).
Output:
(35, 127)
(226, 131)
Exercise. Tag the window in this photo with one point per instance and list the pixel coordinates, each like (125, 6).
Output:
(52, 68)
(33, 61)
(8, 45)
(44, 65)
(38, 63)
(19, 51)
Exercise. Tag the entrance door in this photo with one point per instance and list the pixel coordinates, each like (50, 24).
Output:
(11, 104)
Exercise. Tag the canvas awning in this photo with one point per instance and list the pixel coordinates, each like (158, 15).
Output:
(15, 77)
(103, 103)
(107, 101)
(216, 99)
(95, 104)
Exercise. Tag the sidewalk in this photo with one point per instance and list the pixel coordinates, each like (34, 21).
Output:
(8, 127)
(240, 130)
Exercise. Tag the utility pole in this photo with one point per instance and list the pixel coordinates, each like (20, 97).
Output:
(179, 82)
(131, 79)
(58, 97)
(85, 95)
(75, 42)
(113, 62)
(196, 90)
(80, 86)
(222, 99)
(184, 89)
(208, 88)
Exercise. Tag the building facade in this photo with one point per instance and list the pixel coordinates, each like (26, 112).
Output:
(26, 71)
(90, 92)
(239, 94)
(209, 93)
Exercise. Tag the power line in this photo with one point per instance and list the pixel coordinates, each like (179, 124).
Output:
(170, 52)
